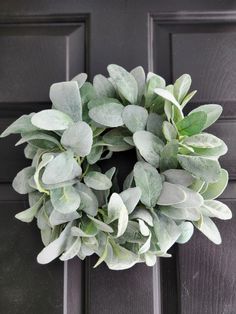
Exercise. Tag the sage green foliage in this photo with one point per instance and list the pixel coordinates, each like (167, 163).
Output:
(173, 186)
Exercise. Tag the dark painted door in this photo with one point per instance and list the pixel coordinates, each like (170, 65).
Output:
(44, 41)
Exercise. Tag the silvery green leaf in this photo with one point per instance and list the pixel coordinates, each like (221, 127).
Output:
(143, 214)
(187, 230)
(135, 118)
(214, 208)
(55, 248)
(143, 228)
(87, 230)
(21, 125)
(39, 139)
(167, 232)
(109, 114)
(46, 235)
(125, 82)
(205, 169)
(209, 229)
(149, 146)
(203, 140)
(154, 124)
(171, 194)
(168, 156)
(153, 81)
(182, 86)
(50, 187)
(87, 92)
(89, 203)
(149, 181)
(96, 102)
(212, 111)
(128, 181)
(57, 218)
(139, 75)
(193, 199)
(34, 197)
(78, 137)
(188, 98)
(178, 176)
(95, 154)
(120, 258)
(197, 185)
(168, 107)
(97, 181)
(192, 124)
(129, 140)
(169, 131)
(212, 152)
(65, 200)
(101, 225)
(72, 250)
(51, 119)
(184, 213)
(167, 95)
(80, 79)
(150, 259)
(146, 246)
(62, 168)
(131, 198)
(118, 211)
(107, 253)
(65, 97)
(103, 86)
(30, 151)
(29, 214)
(45, 159)
(216, 189)
(115, 139)
(20, 183)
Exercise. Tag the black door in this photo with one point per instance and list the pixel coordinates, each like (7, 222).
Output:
(44, 41)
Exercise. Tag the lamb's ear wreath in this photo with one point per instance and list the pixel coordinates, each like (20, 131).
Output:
(171, 189)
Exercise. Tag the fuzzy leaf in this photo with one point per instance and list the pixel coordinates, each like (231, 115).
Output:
(135, 118)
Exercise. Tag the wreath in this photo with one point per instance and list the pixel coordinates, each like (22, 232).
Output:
(173, 186)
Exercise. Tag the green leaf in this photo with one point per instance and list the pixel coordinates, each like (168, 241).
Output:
(78, 137)
(87, 92)
(192, 124)
(203, 168)
(65, 97)
(153, 81)
(62, 168)
(143, 214)
(109, 114)
(203, 140)
(167, 95)
(131, 198)
(149, 181)
(46, 158)
(167, 232)
(80, 79)
(149, 146)
(57, 218)
(21, 125)
(212, 111)
(217, 188)
(71, 250)
(21, 182)
(178, 176)
(65, 200)
(39, 139)
(209, 229)
(192, 214)
(154, 124)
(103, 86)
(135, 117)
(182, 86)
(146, 246)
(169, 131)
(89, 203)
(188, 98)
(169, 156)
(51, 120)
(143, 228)
(102, 101)
(139, 75)
(101, 225)
(115, 139)
(95, 154)
(55, 248)
(97, 181)
(193, 199)
(213, 208)
(187, 230)
(87, 230)
(29, 214)
(117, 210)
(125, 82)
(171, 194)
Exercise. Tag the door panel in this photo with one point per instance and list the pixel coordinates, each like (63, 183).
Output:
(46, 41)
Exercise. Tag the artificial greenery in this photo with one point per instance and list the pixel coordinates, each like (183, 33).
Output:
(172, 187)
